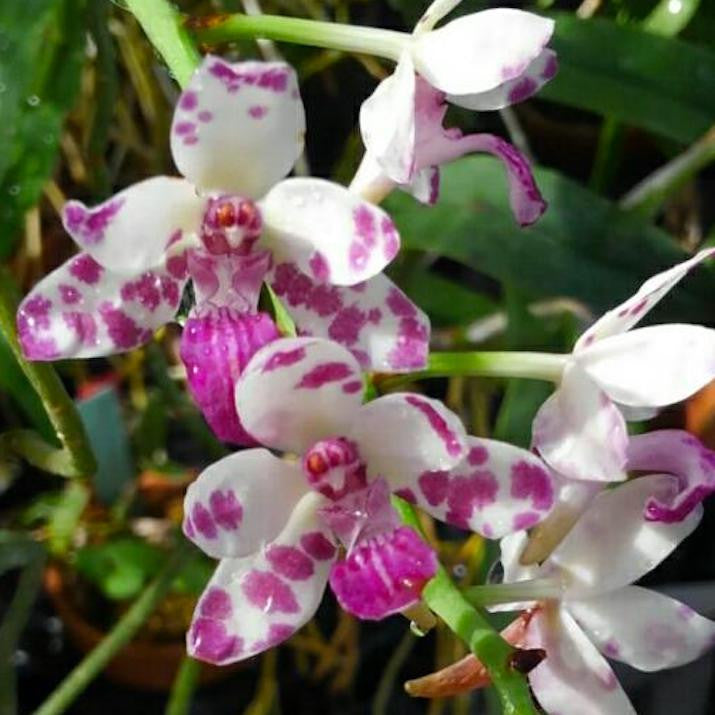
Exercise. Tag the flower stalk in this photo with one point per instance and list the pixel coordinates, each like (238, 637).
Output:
(540, 589)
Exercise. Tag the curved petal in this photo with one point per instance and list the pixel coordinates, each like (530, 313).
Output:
(624, 316)
(255, 603)
(238, 128)
(478, 52)
(613, 544)
(82, 310)
(643, 628)
(241, 502)
(402, 435)
(580, 432)
(434, 13)
(131, 232)
(678, 453)
(296, 391)
(574, 678)
(329, 232)
(375, 320)
(513, 91)
(495, 490)
(654, 366)
(387, 122)
(383, 575)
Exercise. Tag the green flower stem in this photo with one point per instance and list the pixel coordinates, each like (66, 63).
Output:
(536, 366)
(330, 35)
(75, 459)
(164, 27)
(448, 602)
(83, 674)
(185, 683)
(541, 589)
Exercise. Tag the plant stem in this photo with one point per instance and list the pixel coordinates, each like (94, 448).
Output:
(448, 602)
(76, 458)
(537, 366)
(185, 683)
(541, 589)
(94, 662)
(331, 35)
(164, 27)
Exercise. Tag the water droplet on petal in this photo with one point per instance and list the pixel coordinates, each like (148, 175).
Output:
(33, 100)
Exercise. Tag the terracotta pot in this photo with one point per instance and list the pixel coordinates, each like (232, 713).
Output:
(140, 664)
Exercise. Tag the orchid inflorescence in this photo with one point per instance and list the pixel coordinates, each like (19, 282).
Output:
(309, 502)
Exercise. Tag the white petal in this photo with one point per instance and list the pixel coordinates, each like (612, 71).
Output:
(387, 122)
(516, 90)
(238, 128)
(375, 320)
(643, 628)
(241, 502)
(296, 391)
(130, 232)
(82, 310)
(254, 603)
(573, 679)
(329, 232)
(434, 13)
(624, 316)
(653, 366)
(579, 432)
(613, 544)
(495, 490)
(402, 435)
(478, 52)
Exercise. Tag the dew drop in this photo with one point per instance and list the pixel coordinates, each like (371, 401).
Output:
(14, 190)
(33, 100)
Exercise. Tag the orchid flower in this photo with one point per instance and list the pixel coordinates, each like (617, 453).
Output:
(580, 431)
(276, 523)
(230, 224)
(485, 60)
(594, 608)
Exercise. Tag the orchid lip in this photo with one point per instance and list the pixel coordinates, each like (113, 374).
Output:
(231, 224)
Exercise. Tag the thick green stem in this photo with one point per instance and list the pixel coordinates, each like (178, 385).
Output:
(76, 458)
(536, 366)
(331, 35)
(535, 590)
(165, 29)
(185, 684)
(447, 601)
(83, 674)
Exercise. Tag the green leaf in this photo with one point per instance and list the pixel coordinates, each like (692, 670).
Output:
(584, 247)
(661, 84)
(41, 52)
(65, 517)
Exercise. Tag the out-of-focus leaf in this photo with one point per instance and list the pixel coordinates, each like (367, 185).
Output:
(668, 18)
(150, 435)
(65, 516)
(584, 247)
(522, 399)
(41, 52)
(194, 575)
(661, 84)
(103, 420)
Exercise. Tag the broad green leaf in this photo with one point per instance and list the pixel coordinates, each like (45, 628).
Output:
(661, 84)
(41, 51)
(584, 247)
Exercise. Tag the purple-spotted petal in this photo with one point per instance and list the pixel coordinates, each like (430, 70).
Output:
(216, 345)
(624, 316)
(384, 574)
(535, 76)
(579, 432)
(83, 310)
(375, 320)
(495, 490)
(131, 232)
(241, 502)
(330, 233)
(254, 603)
(643, 628)
(678, 453)
(478, 52)
(613, 544)
(652, 367)
(574, 677)
(297, 391)
(402, 435)
(238, 127)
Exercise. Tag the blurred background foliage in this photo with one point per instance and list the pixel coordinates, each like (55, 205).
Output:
(622, 141)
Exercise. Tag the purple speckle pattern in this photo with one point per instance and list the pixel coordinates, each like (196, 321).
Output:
(226, 509)
(283, 358)
(215, 603)
(289, 562)
(439, 425)
(210, 641)
(274, 79)
(317, 546)
(434, 485)
(85, 269)
(269, 593)
(530, 481)
(89, 226)
(324, 374)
